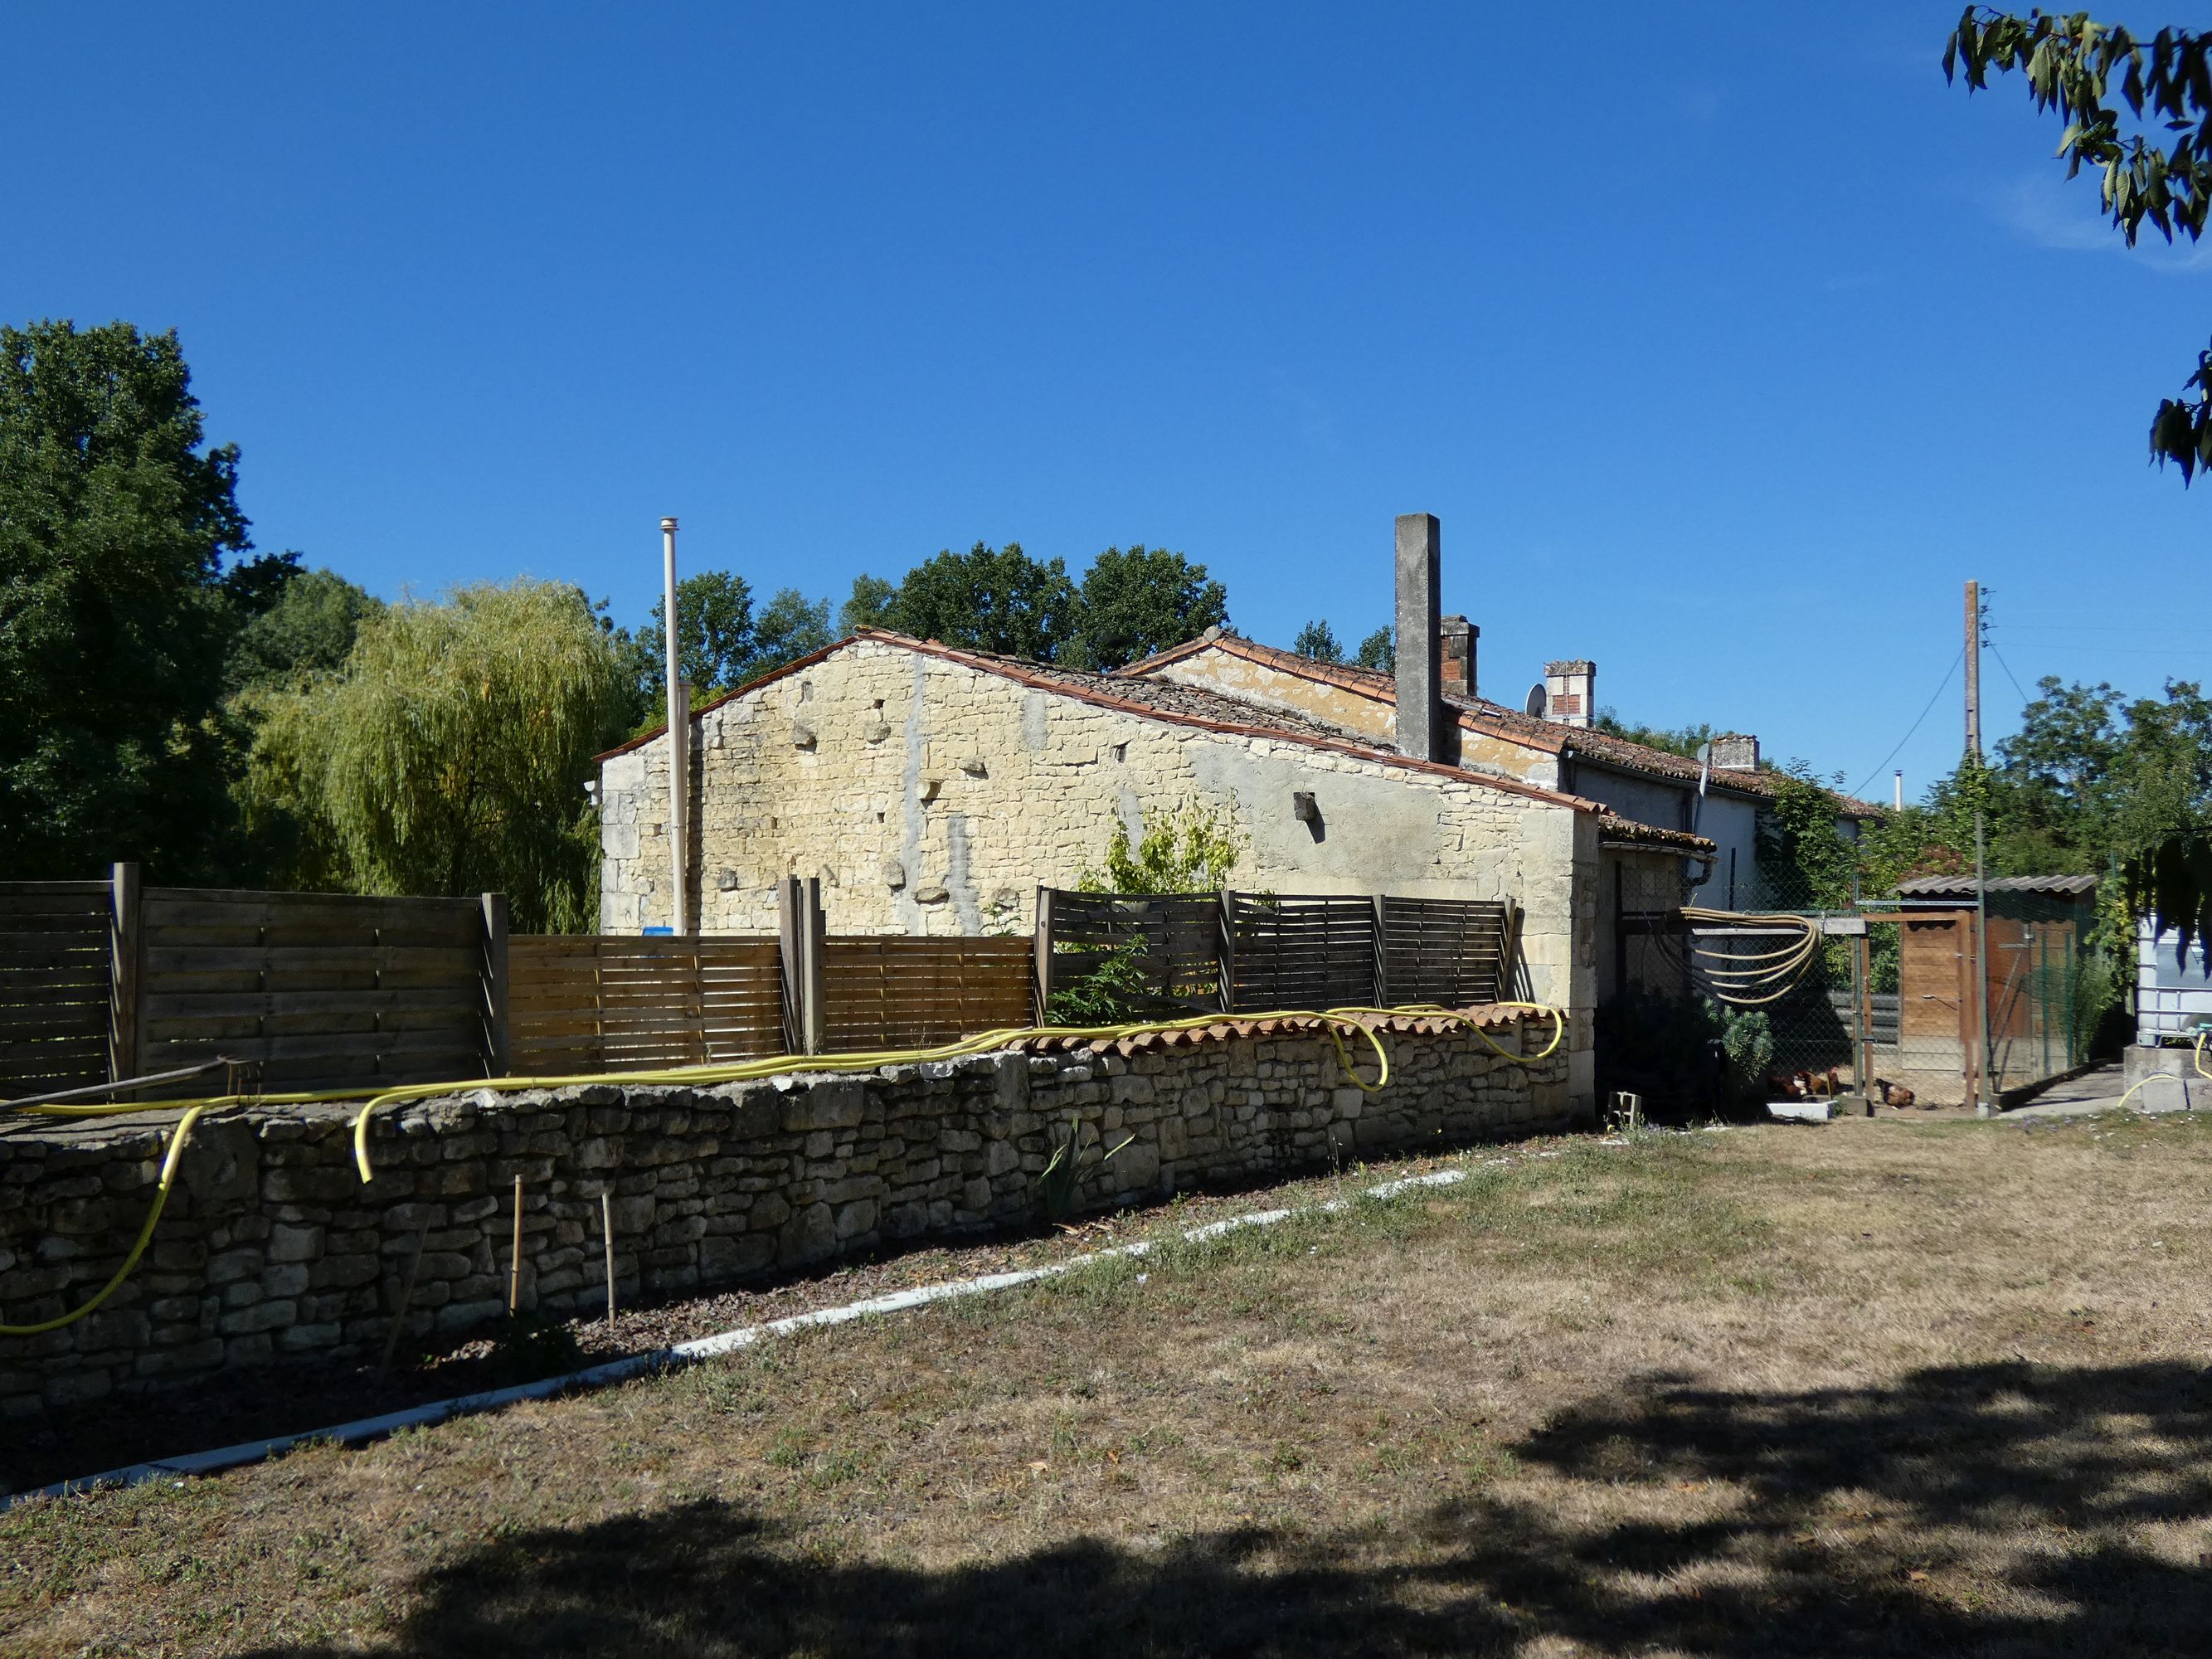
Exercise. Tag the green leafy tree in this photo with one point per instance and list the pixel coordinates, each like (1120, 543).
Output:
(306, 627)
(722, 641)
(997, 599)
(1804, 861)
(449, 755)
(868, 605)
(1380, 650)
(1683, 740)
(115, 518)
(790, 626)
(1318, 640)
(2084, 72)
(1140, 600)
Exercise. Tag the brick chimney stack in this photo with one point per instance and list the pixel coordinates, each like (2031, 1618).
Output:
(1459, 642)
(1570, 692)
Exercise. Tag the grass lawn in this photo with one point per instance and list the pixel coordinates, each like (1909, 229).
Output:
(1879, 1387)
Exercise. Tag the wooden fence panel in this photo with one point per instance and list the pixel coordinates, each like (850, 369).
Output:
(311, 990)
(1200, 953)
(54, 983)
(1168, 949)
(1451, 951)
(1290, 951)
(889, 992)
(580, 1003)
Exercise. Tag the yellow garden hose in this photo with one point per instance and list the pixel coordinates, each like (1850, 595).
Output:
(1759, 970)
(177, 1138)
(2197, 1061)
(1331, 1022)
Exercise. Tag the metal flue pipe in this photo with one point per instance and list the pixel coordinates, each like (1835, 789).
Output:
(679, 741)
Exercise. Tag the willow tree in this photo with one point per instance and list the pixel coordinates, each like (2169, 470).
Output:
(449, 755)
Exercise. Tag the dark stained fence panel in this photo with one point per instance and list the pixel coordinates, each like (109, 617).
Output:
(1171, 944)
(1297, 953)
(308, 991)
(1451, 951)
(54, 985)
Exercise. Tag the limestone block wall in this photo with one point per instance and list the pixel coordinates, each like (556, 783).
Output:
(272, 1251)
(934, 796)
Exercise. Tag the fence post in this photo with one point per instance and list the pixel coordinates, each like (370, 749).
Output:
(125, 947)
(815, 1002)
(496, 1060)
(1382, 957)
(1041, 997)
(799, 937)
(1228, 951)
(789, 965)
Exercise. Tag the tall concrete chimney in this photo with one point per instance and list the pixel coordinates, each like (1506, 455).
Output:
(1420, 723)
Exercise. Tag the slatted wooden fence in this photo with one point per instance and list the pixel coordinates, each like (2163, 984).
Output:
(889, 992)
(1453, 952)
(312, 990)
(1300, 951)
(578, 1003)
(1165, 952)
(54, 986)
(1250, 952)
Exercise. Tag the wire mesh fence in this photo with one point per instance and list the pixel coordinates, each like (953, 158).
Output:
(1906, 999)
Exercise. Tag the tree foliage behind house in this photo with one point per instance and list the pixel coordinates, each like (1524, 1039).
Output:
(722, 641)
(1131, 603)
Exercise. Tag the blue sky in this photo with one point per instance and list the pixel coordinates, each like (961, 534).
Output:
(1727, 344)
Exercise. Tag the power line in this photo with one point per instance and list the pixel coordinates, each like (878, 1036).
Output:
(2024, 698)
(1914, 727)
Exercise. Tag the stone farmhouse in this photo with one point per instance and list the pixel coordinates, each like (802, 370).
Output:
(1551, 742)
(933, 790)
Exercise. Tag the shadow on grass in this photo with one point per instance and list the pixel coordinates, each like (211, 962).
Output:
(1981, 1511)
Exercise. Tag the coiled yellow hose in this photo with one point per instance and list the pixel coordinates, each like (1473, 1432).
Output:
(2197, 1061)
(1332, 1021)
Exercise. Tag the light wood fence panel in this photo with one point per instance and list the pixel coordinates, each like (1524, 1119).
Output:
(898, 993)
(53, 986)
(580, 1003)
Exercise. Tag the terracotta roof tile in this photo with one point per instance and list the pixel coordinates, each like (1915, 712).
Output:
(1493, 719)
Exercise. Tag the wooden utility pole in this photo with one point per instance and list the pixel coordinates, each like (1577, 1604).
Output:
(1974, 669)
(1979, 1071)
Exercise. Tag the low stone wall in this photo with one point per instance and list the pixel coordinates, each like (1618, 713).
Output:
(272, 1250)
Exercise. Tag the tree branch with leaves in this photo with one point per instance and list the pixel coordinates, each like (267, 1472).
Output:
(2084, 70)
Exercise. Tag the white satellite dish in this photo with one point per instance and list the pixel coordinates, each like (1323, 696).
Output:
(1536, 703)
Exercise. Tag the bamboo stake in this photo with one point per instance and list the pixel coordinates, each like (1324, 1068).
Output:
(607, 1233)
(406, 1297)
(514, 1260)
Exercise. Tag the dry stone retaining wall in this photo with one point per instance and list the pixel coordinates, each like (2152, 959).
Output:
(272, 1251)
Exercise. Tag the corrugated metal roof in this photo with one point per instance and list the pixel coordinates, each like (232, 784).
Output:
(1963, 886)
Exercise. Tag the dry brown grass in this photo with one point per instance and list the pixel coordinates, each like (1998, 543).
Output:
(1882, 1388)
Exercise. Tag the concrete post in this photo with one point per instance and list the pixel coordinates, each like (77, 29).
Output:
(1420, 725)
